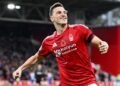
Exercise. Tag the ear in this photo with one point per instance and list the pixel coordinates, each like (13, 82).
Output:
(51, 18)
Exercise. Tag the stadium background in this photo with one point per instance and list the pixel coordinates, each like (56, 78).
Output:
(23, 29)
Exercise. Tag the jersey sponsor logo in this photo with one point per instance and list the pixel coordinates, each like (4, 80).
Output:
(65, 50)
(57, 53)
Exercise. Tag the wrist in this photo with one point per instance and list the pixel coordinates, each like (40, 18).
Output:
(20, 68)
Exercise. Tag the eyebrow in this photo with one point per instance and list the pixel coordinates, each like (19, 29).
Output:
(62, 11)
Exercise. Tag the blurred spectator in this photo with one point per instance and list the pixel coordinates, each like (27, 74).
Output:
(32, 77)
(39, 73)
(3, 73)
(50, 76)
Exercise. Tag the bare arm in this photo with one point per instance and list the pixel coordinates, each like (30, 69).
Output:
(29, 62)
(100, 44)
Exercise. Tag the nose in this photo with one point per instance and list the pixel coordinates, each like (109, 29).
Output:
(63, 14)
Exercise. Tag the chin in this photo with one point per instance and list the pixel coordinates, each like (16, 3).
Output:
(63, 24)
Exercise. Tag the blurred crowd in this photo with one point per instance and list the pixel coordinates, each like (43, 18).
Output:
(15, 50)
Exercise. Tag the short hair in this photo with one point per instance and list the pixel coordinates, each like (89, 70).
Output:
(57, 4)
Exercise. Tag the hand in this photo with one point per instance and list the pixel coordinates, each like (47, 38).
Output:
(17, 73)
(103, 47)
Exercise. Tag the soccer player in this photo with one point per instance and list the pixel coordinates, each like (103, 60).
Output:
(69, 44)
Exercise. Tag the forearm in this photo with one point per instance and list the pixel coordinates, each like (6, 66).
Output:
(100, 44)
(31, 61)
(96, 41)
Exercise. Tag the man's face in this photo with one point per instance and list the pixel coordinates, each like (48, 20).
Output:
(59, 16)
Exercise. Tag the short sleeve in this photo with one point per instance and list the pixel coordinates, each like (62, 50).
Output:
(44, 49)
(87, 33)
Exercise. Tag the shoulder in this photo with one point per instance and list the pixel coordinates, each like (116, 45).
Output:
(49, 38)
(78, 26)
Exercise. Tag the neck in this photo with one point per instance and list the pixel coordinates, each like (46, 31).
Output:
(60, 28)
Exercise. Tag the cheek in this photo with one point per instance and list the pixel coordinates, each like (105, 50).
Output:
(56, 19)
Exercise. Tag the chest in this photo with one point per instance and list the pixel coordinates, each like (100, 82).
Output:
(68, 38)
(65, 43)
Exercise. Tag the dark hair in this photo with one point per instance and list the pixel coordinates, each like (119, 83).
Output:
(57, 4)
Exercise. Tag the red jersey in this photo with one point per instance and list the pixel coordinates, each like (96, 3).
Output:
(71, 51)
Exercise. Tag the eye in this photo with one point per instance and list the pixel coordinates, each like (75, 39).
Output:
(59, 12)
(65, 12)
